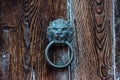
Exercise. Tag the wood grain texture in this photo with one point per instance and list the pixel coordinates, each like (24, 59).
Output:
(93, 28)
(25, 23)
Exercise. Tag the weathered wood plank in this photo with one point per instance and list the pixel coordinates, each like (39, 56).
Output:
(93, 27)
(23, 36)
(8, 24)
(26, 22)
(117, 38)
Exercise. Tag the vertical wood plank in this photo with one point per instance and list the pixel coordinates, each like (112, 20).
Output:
(94, 37)
(31, 40)
(8, 26)
(117, 38)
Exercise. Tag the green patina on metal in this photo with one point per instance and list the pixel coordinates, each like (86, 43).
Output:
(59, 32)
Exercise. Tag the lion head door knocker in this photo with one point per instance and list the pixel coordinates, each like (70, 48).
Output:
(59, 32)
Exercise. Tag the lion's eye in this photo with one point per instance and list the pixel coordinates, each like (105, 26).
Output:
(54, 28)
(64, 29)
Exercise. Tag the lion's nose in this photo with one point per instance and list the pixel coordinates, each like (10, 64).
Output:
(58, 35)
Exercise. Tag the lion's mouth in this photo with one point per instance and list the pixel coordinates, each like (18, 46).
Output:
(59, 36)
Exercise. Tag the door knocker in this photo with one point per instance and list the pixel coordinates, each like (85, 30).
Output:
(59, 32)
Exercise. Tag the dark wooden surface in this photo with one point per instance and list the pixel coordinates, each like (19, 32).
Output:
(27, 43)
(117, 37)
(23, 40)
(94, 52)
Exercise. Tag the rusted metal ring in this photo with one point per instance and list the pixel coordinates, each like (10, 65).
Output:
(50, 62)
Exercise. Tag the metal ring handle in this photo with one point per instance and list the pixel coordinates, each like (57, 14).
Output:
(49, 61)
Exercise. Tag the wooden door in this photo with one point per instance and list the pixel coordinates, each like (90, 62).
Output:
(23, 25)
